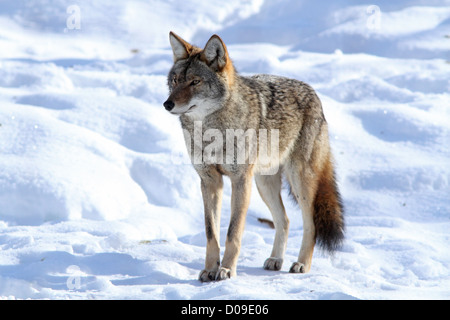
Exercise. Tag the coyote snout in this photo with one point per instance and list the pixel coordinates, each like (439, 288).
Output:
(169, 105)
(205, 89)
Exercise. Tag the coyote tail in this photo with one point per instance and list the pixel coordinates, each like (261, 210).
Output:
(328, 211)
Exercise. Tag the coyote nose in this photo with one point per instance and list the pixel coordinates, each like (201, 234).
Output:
(169, 105)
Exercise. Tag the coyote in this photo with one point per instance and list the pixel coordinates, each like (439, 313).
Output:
(206, 89)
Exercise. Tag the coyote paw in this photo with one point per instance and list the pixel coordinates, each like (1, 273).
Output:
(273, 264)
(207, 275)
(223, 274)
(215, 275)
(297, 267)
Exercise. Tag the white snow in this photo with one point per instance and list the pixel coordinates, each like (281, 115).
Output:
(98, 201)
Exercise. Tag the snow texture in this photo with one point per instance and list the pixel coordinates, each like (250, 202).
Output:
(98, 200)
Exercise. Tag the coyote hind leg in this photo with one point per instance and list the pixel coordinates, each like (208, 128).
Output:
(302, 185)
(269, 187)
(316, 191)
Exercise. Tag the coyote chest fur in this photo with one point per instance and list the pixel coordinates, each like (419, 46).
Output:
(262, 127)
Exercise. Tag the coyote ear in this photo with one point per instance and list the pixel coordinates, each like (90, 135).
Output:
(180, 48)
(215, 53)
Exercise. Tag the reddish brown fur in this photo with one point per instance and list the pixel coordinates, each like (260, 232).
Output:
(328, 218)
(183, 94)
(228, 71)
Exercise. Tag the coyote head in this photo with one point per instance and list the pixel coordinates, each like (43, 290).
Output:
(200, 78)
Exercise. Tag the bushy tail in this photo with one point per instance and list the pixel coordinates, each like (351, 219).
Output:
(328, 211)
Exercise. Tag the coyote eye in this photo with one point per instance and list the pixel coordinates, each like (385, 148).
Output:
(174, 80)
(195, 82)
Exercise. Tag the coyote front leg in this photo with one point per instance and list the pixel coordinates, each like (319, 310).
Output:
(240, 199)
(212, 186)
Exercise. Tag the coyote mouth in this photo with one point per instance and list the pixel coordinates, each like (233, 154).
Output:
(191, 108)
(183, 112)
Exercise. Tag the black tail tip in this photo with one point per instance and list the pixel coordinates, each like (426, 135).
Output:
(330, 226)
(332, 241)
